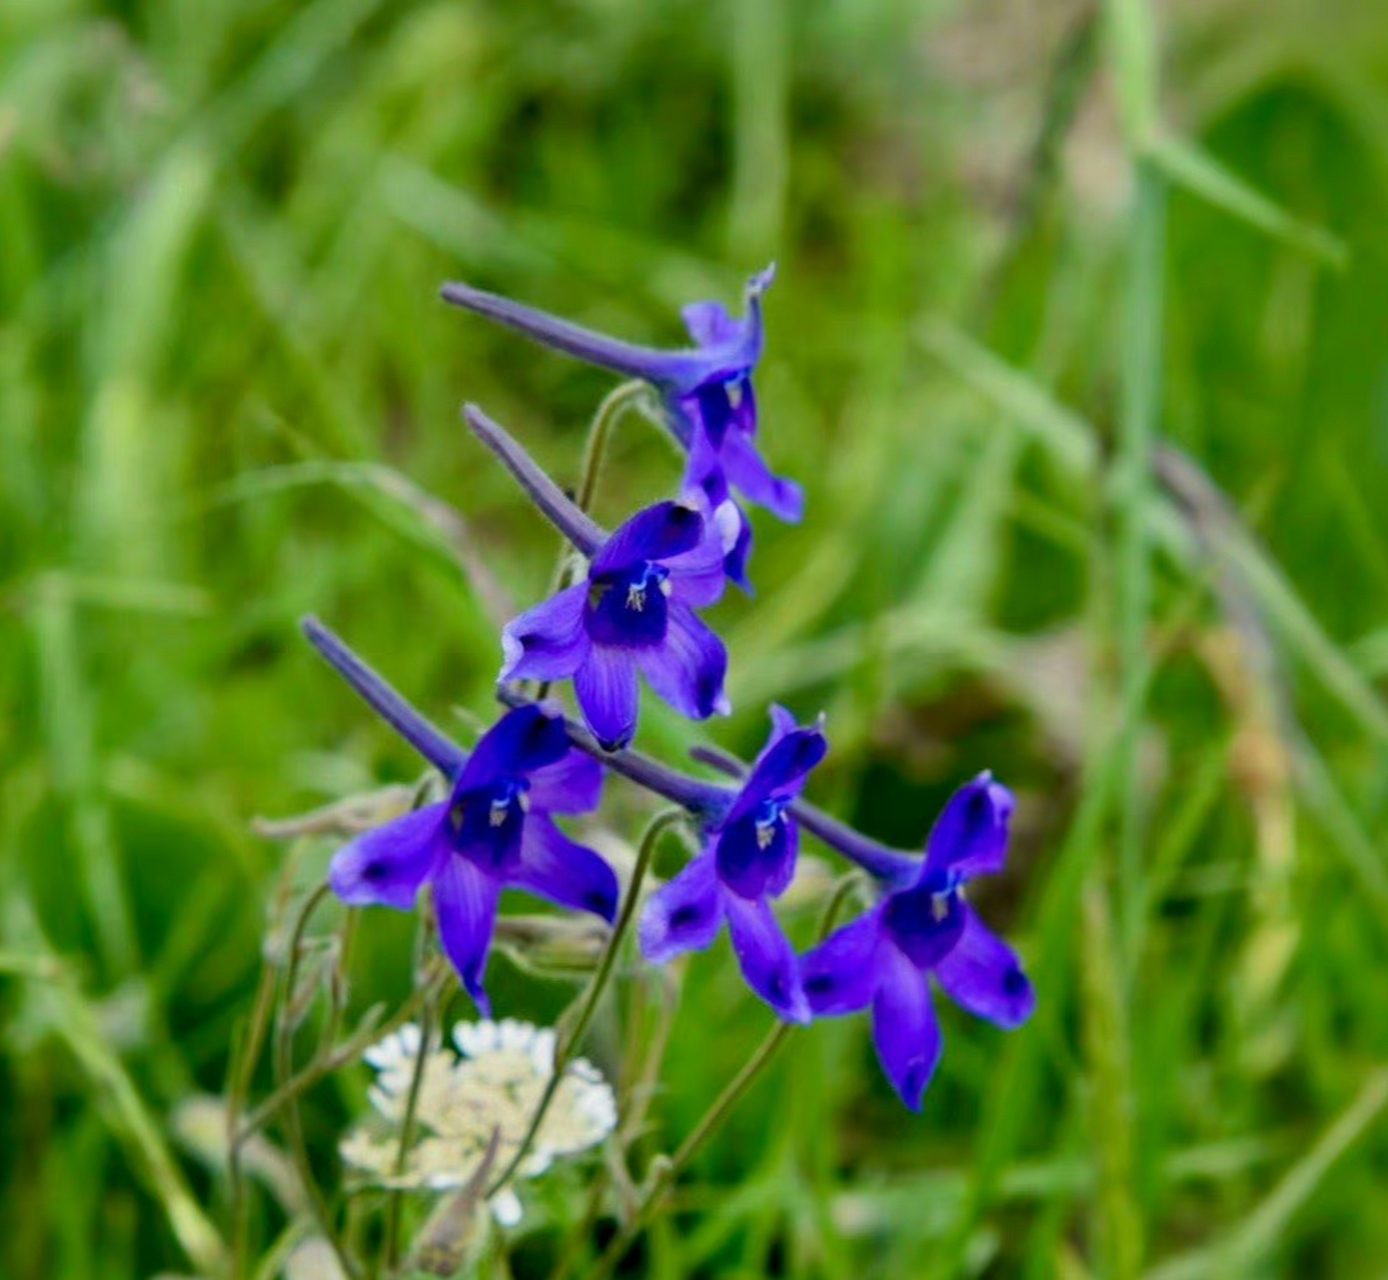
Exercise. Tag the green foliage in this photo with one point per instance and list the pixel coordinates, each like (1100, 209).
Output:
(1096, 500)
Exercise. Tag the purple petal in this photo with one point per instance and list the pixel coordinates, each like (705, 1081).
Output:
(904, 1026)
(386, 867)
(561, 871)
(983, 975)
(522, 741)
(780, 770)
(683, 915)
(841, 974)
(465, 901)
(572, 785)
(656, 534)
(764, 953)
(666, 367)
(747, 472)
(709, 323)
(688, 670)
(547, 642)
(970, 835)
(606, 689)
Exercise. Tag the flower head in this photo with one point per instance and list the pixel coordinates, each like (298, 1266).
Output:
(494, 832)
(634, 612)
(748, 859)
(706, 390)
(495, 1086)
(885, 958)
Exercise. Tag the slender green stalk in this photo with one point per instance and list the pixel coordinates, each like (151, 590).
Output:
(284, 1060)
(427, 1019)
(242, 1069)
(570, 1041)
(664, 1171)
(615, 406)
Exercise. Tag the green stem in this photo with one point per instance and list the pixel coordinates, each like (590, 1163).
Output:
(243, 1068)
(326, 1063)
(571, 1041)
(427, 1011)
(665, 1172)
(284, 1060)
(618, 402)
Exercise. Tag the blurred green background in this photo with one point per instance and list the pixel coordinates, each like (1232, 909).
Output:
(1080, 346)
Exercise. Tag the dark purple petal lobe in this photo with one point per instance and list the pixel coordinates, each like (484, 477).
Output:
(683, 915)
(780, 770)
(386, 867)
(658, 533)
(558, 869)
(465, 900)
(904, 1027)
(970, 836)
(522, 741)
(983, 975)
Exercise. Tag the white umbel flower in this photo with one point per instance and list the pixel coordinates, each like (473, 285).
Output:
(494, 1086)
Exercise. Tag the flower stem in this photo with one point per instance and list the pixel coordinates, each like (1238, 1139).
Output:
(427, 1012)
(665, 1171)
(615, 406)
(567, 1048)
(284, 1060)
(243, 1067)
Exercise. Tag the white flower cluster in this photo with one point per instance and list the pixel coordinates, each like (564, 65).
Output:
(493, 1087)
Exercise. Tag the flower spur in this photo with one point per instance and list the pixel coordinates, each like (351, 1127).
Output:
(706, 390)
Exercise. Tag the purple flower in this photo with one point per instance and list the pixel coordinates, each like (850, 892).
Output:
(707, 392)
(634, 612)
(494, 832)
(885, 958)
(748, 859)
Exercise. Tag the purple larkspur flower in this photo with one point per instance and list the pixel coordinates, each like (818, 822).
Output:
(633, 612)
(885, 958)
(747, 860)
(707, 392)
(493, 832)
